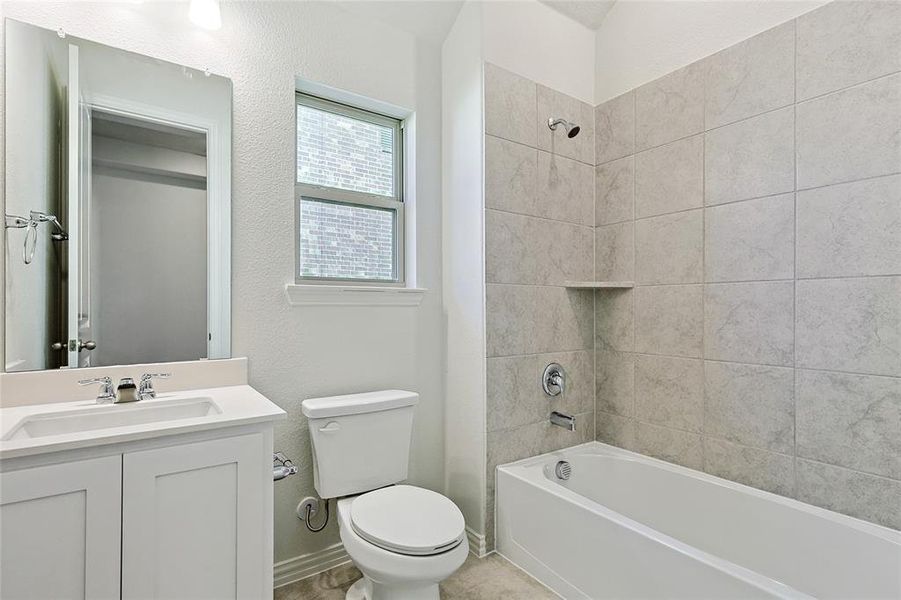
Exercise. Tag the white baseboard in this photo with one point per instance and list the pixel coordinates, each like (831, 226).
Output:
(476, 543)
(301, 567)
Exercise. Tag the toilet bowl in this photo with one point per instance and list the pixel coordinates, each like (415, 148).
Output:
(405, 540)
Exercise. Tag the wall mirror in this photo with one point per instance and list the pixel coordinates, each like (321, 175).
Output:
(117, 234)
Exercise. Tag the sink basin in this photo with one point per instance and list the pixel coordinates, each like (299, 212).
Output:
(108, 416)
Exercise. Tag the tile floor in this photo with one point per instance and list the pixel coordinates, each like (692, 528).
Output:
(489, 578)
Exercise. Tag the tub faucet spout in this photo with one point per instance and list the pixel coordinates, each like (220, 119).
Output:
(565, 421)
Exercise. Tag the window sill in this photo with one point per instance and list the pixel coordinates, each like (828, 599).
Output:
(349, 295)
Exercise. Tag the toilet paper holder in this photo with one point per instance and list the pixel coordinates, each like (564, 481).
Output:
(282, 466)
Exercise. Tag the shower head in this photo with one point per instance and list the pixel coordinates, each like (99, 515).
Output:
(572, 130)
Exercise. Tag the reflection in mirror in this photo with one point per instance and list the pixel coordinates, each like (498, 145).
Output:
(117, 236)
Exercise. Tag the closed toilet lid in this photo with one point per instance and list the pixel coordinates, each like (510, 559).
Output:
(408, 520)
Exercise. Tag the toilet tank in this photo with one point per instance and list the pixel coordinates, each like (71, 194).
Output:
(361, 442)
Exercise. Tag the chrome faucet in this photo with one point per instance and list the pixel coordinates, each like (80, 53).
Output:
(106, 395)
(126, 391)
(567, 422)
(146, 390)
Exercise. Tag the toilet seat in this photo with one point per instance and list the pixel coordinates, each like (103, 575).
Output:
(408, 520)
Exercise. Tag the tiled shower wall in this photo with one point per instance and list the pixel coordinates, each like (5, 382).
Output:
(755, 199)
(539, 232)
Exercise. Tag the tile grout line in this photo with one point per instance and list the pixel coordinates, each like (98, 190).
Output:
(538, 149)
(846, 88)
(761, 365)
(704, 279)
(633, 307)
(594, 295)
(795, 266)
(536, 217)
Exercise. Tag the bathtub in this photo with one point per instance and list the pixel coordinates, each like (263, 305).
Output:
(628, 526)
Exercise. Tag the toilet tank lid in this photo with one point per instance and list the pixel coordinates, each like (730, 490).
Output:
(354, 404)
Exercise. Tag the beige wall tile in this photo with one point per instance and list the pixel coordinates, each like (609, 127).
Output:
(565, 189)
(671, 445)
(616, 430)
(614, 321)
(511, 105)
(751, 77)
(749, 322)
(669, 391)
(536, 251)
(511, 179)
(669, 320)
(524, 319)
(857, 37)
(852, 134)
(850, 325)
(614, 248)
(750, 405)
(614, 128)
(670, 108)
(751, 240)
(850, 420)
(750, 466)
(614, 191)
(615, 391)
(670, 248)
(751, 158)
(854, 493)
(850, 229)
(670, 178)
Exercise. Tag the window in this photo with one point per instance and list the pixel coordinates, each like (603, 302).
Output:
(349, 194)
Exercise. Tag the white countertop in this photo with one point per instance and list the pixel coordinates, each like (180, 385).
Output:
(239, 405)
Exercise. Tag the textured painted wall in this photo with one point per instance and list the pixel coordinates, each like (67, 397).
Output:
(754, 197)
(295, 352)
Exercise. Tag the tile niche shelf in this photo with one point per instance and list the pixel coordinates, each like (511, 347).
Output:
(599, 285)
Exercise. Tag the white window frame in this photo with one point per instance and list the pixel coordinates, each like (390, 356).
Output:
(333, 195)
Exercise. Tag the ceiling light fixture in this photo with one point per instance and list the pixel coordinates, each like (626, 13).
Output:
(205, 13)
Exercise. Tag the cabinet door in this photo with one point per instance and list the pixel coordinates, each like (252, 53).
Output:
(60, 528)
(192, 521)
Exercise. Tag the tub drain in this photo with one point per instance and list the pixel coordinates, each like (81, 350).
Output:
(563, 470)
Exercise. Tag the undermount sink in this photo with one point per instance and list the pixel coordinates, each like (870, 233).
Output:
(109, 416)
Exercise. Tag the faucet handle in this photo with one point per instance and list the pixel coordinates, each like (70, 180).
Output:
(106, 393)
(149, 376)
(553, 380)
(146, 389)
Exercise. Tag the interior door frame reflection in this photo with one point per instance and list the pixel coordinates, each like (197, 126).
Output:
(218, 184)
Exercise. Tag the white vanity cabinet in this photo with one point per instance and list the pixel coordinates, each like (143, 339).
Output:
(192, 520)
(60, 526)
(177, 517)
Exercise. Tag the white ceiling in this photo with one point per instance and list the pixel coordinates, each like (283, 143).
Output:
(430, 20)
(589, 13)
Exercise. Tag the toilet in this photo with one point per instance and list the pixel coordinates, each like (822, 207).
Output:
(404, 539)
